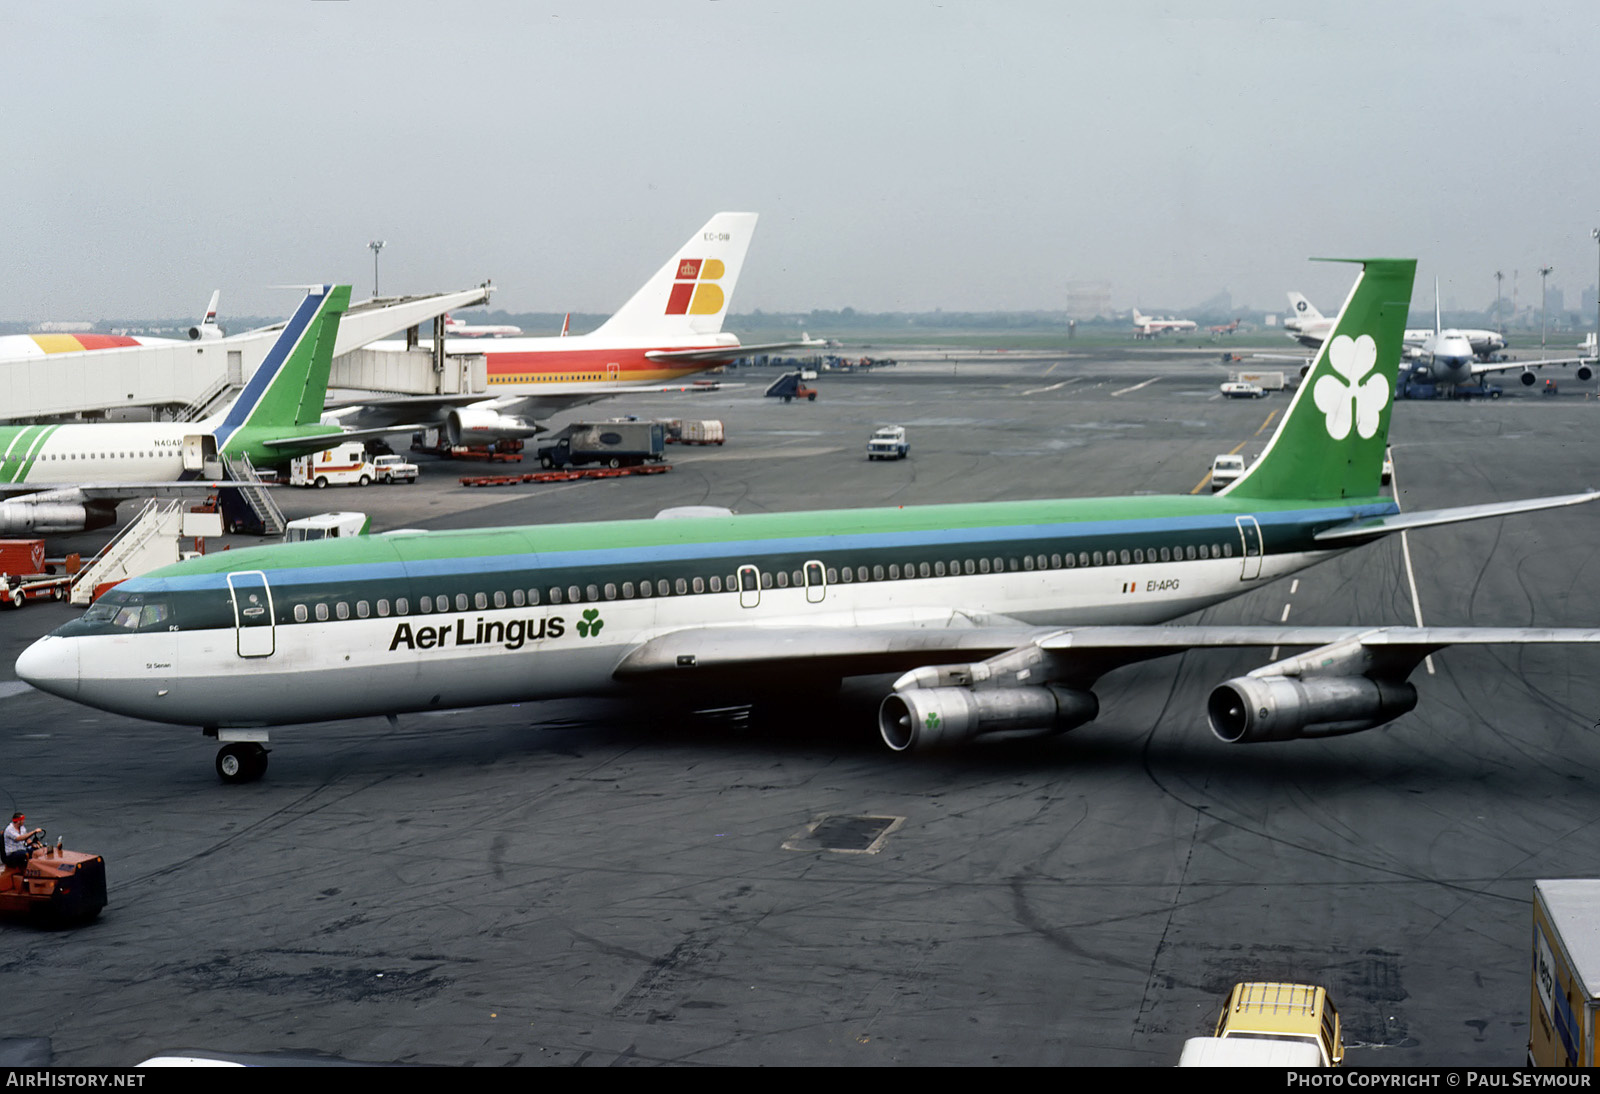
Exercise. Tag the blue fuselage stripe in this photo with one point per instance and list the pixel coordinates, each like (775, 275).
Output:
(390, 567)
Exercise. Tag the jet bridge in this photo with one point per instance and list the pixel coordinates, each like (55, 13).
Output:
(198, 376)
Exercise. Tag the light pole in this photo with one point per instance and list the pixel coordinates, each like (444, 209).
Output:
(376, 245)
(1596, 234)
(1499, 315)
(1544, 272)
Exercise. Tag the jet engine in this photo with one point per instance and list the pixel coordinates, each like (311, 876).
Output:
(53, 517)
(1283, 708)
(918, 719)
(1584, 372)
(205, 333)
(1527, 377)
(469, 426)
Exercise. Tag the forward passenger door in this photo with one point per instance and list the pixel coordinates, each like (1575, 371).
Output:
(255, 632)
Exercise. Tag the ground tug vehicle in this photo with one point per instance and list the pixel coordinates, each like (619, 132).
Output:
(56, 888)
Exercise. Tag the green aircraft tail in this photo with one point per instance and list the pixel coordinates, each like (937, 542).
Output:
(290, 386)
(1331, 441)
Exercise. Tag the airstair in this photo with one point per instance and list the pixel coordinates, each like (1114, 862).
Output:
(212, 399)
(257, 499)
(146, 542)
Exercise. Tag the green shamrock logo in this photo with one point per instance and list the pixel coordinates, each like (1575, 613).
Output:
(589, 626)
(932, 720)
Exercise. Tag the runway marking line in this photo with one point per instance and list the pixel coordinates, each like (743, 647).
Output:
(1052, 387)
(1135, 387)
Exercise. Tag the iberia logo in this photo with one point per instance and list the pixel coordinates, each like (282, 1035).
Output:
(694, 288)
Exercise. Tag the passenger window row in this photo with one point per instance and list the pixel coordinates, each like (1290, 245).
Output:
(783, 579)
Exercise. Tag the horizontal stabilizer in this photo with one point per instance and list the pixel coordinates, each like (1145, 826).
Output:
(729, 353)
(1369, 527)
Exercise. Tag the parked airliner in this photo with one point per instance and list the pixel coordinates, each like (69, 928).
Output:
(1440, 355)
(68, 478)
(668, 330)
(1145, 326)
(1000, 616)
(23, 347)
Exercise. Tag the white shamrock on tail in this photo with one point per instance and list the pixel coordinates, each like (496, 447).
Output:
(1349, 401)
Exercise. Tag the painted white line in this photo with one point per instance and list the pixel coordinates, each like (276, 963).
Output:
(1135, 387)
(1294, 586)
(1284, 618)
(1053, 387)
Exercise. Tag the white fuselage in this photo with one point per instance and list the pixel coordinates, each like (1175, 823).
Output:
(67, 455)
(320, 670)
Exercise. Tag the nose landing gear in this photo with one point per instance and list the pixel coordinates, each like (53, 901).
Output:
(240, 761)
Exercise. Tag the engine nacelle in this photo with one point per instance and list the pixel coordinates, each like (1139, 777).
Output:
(52, 517)
(1584, 373)
(917, 719)
(1283, 708)
(469, 426)
(1527, 377)
(205, 333)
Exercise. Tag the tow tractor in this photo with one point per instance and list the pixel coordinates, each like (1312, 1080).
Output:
(57, 887)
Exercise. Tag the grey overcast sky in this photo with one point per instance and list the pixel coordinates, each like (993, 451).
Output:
(903, 154)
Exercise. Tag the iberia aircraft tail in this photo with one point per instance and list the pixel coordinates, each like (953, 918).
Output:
(1330, 443)
(691, 293)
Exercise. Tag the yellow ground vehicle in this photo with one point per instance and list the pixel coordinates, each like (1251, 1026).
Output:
(1271, 1024)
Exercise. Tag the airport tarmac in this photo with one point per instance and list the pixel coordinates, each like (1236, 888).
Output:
(585, 883)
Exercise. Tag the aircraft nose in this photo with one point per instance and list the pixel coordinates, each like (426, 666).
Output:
(51, 664)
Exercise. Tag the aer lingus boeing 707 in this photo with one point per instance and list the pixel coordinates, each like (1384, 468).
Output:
(1000, 616)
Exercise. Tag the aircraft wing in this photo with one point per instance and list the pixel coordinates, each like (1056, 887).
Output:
(725, 354)
(394, 413)
(1297, 358)
(1518, 366)
(317, 441)
(754, 654)
(118, 490)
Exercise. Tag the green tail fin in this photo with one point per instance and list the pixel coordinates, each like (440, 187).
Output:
(291, 384)
(1330, 443)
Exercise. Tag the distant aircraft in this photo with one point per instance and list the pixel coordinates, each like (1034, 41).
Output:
(207, 328)
(1447, 356)
(1452, 356)
(671, 328)
(467, 330)
(1225, 328)
(1001, 617)
(1146, 327)
(69, 478)
(1308, 325)
(15, 347)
